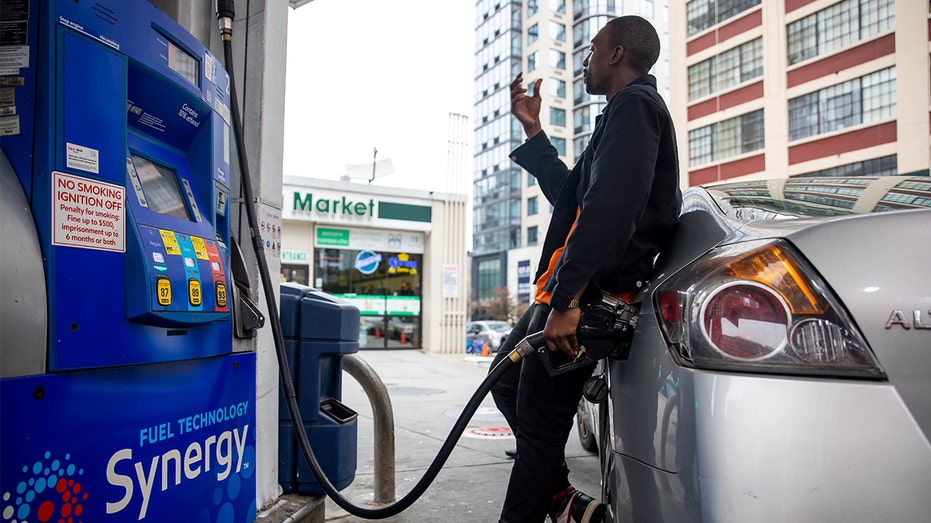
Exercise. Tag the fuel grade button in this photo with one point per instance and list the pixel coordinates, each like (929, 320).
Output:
(193, 291)
(221, 295)
(163, 290)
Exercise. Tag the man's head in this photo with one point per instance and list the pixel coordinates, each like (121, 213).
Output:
(625, 48)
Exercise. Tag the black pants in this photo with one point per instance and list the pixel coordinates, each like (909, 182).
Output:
(540, 410)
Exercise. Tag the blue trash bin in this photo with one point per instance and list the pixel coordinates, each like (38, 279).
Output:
(318, 330)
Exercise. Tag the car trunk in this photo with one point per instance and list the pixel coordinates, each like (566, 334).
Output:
(878, 266)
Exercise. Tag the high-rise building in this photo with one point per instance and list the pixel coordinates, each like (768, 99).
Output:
(546, 39)
(783, 88)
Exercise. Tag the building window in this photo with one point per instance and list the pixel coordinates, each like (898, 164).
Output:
(730, 68)
(531, 180)
(885, 166)
(867, 99)
(727, 138)
(559, 144)
(582, 119)
(557, 88)
(703, 14)
(558, 6)
(531, 236)
(489, 277)
(532, 7)
(531, 206)
(557, 116)
(532, 61)
(838, 26)
(557, 59)
(532, 34)
(558, 31)
(585, 7)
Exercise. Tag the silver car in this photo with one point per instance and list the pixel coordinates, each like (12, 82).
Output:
(781, 369)
(490, 332)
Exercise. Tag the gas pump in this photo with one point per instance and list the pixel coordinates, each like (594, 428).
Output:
(120, 394)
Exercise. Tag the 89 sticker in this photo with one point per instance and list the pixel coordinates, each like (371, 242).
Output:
(193, 287)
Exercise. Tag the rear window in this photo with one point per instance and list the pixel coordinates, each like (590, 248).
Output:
(815, 197)
(500, 326)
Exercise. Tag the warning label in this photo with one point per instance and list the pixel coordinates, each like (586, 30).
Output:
(88, 214)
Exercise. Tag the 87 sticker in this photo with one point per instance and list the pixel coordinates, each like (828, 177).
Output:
(163, 291)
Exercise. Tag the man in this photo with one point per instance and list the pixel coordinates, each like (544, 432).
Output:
(611, 214)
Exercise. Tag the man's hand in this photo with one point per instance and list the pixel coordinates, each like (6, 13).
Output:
(560, 329)
(526, 108)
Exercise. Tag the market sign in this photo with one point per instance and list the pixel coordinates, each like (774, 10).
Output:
(332, 206)
(352, 208)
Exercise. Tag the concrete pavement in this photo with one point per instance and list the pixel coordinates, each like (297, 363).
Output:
(428, 391)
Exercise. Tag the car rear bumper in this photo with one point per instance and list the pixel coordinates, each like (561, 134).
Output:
(740, 448)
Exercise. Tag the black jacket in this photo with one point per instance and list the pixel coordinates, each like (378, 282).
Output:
(626, 183)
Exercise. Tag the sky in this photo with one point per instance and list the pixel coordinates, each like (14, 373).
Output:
(385, 74)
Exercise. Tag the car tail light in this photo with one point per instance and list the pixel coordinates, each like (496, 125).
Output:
(759, 307)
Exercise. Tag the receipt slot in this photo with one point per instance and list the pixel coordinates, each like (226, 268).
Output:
(318, 330)
(116, 135)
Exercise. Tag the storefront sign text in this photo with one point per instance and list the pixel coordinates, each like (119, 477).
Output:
(305, 202)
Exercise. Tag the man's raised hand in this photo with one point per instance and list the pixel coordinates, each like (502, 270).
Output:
(526, 108)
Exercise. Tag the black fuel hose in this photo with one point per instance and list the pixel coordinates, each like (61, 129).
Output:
(225, 14)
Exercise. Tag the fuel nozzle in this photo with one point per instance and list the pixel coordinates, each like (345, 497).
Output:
(554, 363)
(527, 346)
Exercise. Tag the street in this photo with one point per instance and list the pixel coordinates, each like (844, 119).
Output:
(428, 392)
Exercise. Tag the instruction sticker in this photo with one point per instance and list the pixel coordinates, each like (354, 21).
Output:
(9, 125)
(82, 158)
(88, 214)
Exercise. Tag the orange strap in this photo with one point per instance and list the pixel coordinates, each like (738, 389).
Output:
(543, 296)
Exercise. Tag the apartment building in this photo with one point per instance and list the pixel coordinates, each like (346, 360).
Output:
(783, 88)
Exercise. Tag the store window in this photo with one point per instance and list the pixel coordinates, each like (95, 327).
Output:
(385, 286)
(294, 273)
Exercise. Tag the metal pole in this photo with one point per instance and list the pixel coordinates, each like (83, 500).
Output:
(383, 416)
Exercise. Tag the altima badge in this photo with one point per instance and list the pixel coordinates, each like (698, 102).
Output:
(898, 318)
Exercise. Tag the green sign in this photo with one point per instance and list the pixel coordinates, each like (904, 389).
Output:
(335, 237)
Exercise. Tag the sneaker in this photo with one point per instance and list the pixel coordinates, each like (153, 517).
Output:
(511, 453)
(573, 506)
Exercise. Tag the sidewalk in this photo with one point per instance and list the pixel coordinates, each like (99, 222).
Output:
(428, 392)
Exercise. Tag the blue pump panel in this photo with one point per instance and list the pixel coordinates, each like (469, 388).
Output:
(119, 134)
(123, 152)
(163, 442)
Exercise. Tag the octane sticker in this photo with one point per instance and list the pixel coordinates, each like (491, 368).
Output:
(200, 249)
(170, 241)
(88, 214)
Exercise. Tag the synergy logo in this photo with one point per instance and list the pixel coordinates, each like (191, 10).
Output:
(49, 491)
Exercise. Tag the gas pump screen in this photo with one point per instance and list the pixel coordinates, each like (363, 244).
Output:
(160, 185)
(182, 63)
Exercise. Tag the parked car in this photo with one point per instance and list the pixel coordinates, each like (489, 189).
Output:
(401, 328)
(781, 369)
(491, 332)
